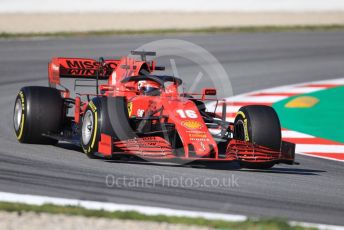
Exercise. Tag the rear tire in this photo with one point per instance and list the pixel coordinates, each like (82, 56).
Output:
(259, 125)
(37, 111)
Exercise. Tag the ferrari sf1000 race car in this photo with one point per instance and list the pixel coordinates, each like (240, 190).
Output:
(134, 113)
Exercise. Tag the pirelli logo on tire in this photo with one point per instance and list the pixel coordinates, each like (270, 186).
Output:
(22, 98)
(21, 127)
(91, 144)
(247, 137)
(93, 107)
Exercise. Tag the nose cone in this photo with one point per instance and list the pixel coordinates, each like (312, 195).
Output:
(193, 132)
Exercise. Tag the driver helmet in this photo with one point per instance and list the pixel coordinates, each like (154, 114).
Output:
(148, 88)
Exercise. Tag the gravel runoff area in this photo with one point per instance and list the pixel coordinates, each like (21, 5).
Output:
(81, 22)
(32, 221)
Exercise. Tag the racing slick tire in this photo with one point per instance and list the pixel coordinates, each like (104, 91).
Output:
(107, 115)
(37, 111)
(258, 124)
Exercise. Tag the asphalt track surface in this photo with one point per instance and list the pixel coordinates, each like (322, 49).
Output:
(312, 191)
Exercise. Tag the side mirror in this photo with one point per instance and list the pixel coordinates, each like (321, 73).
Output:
(209, 91)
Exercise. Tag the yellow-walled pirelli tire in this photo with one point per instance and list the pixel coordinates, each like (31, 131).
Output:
(107, 115)
(258, 124)
(37, 112)
(90, 129)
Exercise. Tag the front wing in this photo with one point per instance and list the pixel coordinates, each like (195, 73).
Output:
(157, 148)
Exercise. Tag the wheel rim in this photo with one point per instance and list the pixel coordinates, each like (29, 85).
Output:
(87, 127)
(18, 112)
(239, 131)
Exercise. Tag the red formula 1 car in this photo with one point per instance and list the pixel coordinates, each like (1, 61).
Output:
(143, 115)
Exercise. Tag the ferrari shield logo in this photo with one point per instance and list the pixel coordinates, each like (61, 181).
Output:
(130, 108)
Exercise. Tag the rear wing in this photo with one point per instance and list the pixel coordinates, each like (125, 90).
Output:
(80, 68)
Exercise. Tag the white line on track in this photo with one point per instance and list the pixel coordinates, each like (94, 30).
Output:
(111, 207)
(229, 109)
(294, 134)
(339, 81)
(322, 157)
(147, 210)
(319, 148)
(293, 88)
(262, 99)
(298, 90)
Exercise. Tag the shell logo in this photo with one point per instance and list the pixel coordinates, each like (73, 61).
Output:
(302, 102)
(192, 124)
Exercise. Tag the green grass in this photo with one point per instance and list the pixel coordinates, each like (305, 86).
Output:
(310, 120)
(248, 29)
(266, 224)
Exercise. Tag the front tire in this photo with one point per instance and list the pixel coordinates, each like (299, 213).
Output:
(259, 125)
(107, 115)
(90, 135)
(37, 111)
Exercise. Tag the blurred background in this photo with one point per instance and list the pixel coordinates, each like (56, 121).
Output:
(27, 16)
